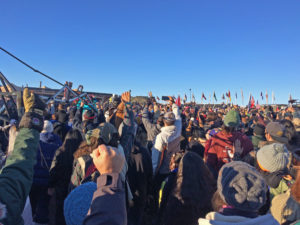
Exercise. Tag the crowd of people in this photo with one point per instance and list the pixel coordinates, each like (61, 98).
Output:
(150, 164)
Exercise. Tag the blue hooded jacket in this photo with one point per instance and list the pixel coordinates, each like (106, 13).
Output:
(49, 143)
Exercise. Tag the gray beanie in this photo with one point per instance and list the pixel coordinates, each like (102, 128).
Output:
(241, 186)
(273, 157)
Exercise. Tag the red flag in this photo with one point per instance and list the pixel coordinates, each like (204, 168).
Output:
(252, 103)
(203, 96)
(178, 102)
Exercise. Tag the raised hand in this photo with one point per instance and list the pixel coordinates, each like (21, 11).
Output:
(126, 98)
(107, 160)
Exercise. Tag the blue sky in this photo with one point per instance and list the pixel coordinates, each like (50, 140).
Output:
(166, 46)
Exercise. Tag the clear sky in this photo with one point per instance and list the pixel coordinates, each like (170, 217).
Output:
(166, 46)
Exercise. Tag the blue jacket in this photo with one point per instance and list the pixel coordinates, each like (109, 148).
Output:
(49, 143)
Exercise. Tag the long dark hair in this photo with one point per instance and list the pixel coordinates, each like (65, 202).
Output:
(70, 145)
(191, 197)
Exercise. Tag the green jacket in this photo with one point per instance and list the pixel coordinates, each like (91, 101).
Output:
(17, 174)
(283, 187)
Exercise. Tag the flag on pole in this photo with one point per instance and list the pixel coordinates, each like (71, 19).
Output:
(185, 98)
(203, 96)
(242, 96)
(262, 96)
(267, 97)
(252, 103)
(257, 104)
(273, 97)
(223, 96)
(229, 96)
(157, 98)
(178, 102)
(193, 98)
(215, 96)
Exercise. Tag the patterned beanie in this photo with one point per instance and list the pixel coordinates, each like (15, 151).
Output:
(241, 186)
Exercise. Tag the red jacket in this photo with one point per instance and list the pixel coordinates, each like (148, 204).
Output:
(221, 146)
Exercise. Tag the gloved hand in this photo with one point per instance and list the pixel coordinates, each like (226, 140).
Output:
(34, 109)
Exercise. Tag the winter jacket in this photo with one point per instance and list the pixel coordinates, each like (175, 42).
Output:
(83, 171)
(139, 177)
(49, 143)
(285, 209)
(166, 143)
(214, 218)
(151, 128)
(277, 182)
(221, 147)
(108, 204)
(17, 174)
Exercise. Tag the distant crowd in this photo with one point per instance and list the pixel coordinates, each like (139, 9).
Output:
(119, 162)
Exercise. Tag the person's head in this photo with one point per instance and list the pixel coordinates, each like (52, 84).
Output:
(48, 127)
(272, 158)
(211, 117)
(72, 141)
(241, 186)
(259, 130)
(78, 202)
(60, 107)
(169, 119)
(105, 134)
(62, 116)
(88, 115)
(160, 120)
(231, 121)
(191, 196)
(296, 122)
(276, 132)
(290, 131)
(175, 159)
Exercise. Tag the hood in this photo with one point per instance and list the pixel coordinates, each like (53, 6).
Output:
(49, 138)
(168, 130)
(214, 218)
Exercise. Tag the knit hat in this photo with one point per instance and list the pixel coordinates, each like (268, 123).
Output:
(259, 129)
(169, 116)
(273, 157)
(241, 186)
(104, 131)
(78, 202)
(48, 127)
(232, 119)
(277, 131)
(88, 115)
